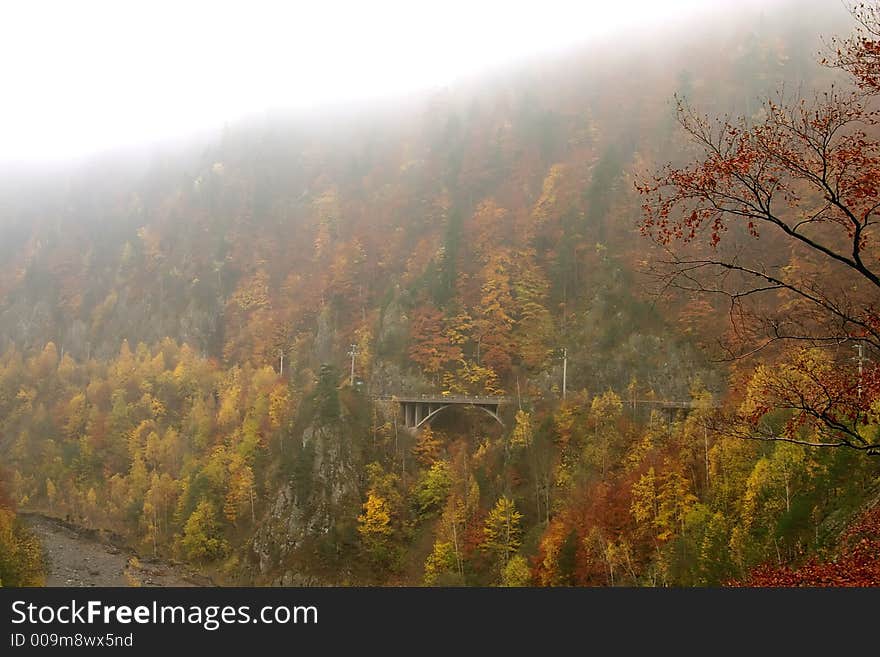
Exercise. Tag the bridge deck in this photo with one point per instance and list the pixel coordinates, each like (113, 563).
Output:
(447, 399)
(490, 400)
(663, 403)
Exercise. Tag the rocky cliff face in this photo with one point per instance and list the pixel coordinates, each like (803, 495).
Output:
(315, 511)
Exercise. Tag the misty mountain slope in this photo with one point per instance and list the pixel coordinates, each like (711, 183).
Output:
(179, 330)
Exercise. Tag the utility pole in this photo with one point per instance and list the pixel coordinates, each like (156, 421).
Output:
(281, 367)
(706, 445)
(860, 359)
(352, 352)
(564, 370)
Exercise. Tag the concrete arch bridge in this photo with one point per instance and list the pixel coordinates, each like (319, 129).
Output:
(418, 410)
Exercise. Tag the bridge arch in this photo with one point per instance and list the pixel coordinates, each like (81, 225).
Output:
(421, 409)
(490, 413)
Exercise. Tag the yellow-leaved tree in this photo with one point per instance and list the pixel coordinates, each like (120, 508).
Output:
(202, 540)
(502, 532)
(21, 559)
(374, 526)
(522, 430)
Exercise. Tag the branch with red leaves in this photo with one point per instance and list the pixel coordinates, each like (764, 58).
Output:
(859, 55)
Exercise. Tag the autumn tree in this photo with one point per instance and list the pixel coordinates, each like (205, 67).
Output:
(534, 325)
(502, 532)
(516, 572)
(202, 540)
(381, 515)
(494, 317)
(158, 507)
(374, 525)
(428, 446)
(604, 411)
(21, 557)
(661, 502)
(431, 346)
(433, 488)
(778, 216)
(523, 432)
(441, 566)
(819, 404)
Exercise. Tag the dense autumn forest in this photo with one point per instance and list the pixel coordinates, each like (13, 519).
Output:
(198, 345)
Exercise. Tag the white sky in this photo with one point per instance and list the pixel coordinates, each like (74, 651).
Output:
(79, 76)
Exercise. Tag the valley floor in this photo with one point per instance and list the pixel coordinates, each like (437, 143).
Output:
(80, 557)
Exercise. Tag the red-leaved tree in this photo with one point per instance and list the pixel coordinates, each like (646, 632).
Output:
(779, 216)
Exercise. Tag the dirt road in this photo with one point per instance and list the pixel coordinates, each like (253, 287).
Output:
(81, 557)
